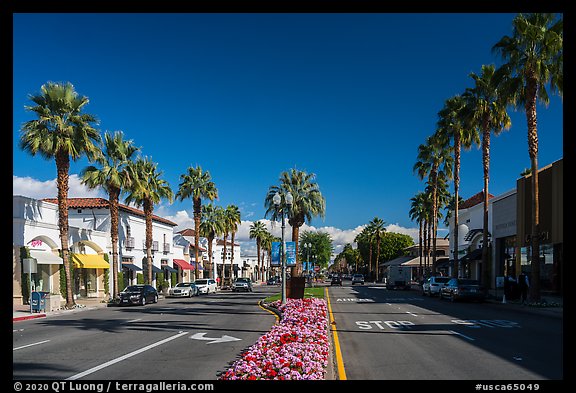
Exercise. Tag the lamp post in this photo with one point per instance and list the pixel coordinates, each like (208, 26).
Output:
(280, 206)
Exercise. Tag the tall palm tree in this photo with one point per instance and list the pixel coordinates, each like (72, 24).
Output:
(233, 213)
(211, 226)
(61, 132)
(308, 203)
(366, 236)
(197, 185)
(454, 122)
(418, 212)
(378, 230)
(114, 177)
(146, 190)
(434, 158)
(488, 115)
(266, 244)
(258, 231)
(534, 58)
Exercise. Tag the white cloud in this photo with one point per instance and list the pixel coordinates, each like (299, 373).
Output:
(33, 188)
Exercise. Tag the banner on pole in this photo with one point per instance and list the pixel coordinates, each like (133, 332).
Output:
(275, 261)
(290, 254)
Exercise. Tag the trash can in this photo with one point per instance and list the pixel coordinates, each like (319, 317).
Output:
(39, 301)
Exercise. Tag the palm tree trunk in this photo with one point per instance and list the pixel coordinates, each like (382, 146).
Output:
(377, 256)
(148, 214)
(62, 168)
(434, 219)
(232, 255)
(197, 202)
(258, 276)
(456, 186)
(485, 280)
(530, 107)
(225, 250)
(420, 251)
(211, 272)
(114, 196)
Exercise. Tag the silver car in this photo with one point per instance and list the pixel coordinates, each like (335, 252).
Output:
(433, 285)
(242, 284)
(206, 285)
(184, 289)
(358, 279)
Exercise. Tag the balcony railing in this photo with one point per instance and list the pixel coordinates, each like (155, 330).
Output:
(129, 244)
(166, 248)
(154, 245)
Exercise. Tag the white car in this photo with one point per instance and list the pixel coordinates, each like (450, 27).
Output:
(206, 285)
(433, 285)
(358, 279)
(183, 289)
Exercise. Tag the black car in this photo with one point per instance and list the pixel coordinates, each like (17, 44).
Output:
(138, 294)
(273, 281)
(463, 289)
(336, 280)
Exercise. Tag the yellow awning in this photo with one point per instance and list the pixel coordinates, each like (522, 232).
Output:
(89, 261)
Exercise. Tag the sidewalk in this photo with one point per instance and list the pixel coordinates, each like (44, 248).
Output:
(22, 312)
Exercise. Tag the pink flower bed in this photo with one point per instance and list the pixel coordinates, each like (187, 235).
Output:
(296, 347)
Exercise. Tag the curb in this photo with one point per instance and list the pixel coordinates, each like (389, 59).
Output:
(26, 317)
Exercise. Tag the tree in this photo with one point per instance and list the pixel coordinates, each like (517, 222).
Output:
(210, 227)
(308, 203)
(321, 244)
(534, 58)
(377, 227)
(197, 184)
(258, 231)
(434, 158)
(114, 177)
(418, 213)
(365, 241)
(146, 190)
(233, 213)
(488, 114)
(454, 123)
(61, 132)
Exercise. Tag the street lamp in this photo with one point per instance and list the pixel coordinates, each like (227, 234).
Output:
(279, 206)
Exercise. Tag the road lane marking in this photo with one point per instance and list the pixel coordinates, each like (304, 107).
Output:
(124, 357)
(462, 335)
(411, 313)
(332, 322)
(223, 339)
(29, 345)
(134, 320)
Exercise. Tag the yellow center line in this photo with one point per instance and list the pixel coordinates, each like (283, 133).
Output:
(338, 353)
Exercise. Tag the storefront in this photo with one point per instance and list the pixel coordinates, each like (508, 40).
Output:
(89, 275)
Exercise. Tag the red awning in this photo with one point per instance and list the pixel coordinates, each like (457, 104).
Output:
(183, 264)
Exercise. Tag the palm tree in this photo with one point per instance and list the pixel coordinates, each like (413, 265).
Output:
(308, 203)
(196, 185)
(377, 227)
(488, 114)
(61, 132)
(114, 177)
(434, 158)
(533, 58)
(266, 244)
(366, 237)
(210, 227)
(146, 190)
(258, 231)
(454, 122)
(418, 213)
(233, 213)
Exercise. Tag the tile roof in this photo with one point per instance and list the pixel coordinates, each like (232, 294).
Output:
(187, 232)
(474, 200)
(101, 203)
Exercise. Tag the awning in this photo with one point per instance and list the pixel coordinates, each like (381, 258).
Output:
(415, 261)
(169, 268)
(194, 264)
(131, 266)
(89, 261)
(156, 269)
(183, 264)
(473, 255)
(46, 257)
(397, 261)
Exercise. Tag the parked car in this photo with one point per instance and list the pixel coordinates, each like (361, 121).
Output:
(242, 284)
(138, 294)
(273, 281)
(206, 285)
(184, 289)
(433, 285)
(463, 289)
(358, 279)
(336, 280)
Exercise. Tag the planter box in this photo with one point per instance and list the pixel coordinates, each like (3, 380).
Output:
(53, 302)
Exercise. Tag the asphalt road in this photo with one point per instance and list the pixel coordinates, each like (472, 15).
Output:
(174, 339)
(402, 335)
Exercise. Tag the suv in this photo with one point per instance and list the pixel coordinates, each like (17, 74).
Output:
(433, 285)
(358, 279)
(336, 280)
(242, 284)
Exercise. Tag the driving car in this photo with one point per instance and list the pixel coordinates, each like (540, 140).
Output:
(138, 294)
(358, 279)
(433, 285)
(273, 280)
(206, 285)
(336, 280)
(463, 289)
(242, 284)
(184, 289)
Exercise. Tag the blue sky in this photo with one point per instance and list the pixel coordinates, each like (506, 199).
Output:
(347, 96)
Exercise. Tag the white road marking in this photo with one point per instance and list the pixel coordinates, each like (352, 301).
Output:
(462, 335)
(411, 313)
(134, 320)
(29, 345)
(124, 357)
(224, 338)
